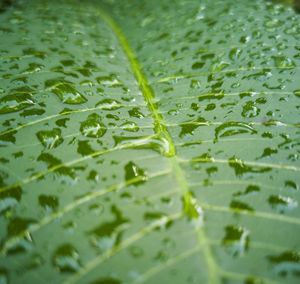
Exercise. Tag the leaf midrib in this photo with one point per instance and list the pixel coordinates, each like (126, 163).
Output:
(161, 130)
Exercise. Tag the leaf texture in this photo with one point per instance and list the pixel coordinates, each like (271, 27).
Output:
(149, 142)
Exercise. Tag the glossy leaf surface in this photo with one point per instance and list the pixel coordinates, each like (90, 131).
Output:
(149, 142)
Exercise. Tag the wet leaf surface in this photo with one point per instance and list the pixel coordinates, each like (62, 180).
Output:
(149, 142)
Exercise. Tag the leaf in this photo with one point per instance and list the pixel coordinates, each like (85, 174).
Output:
(149, 141)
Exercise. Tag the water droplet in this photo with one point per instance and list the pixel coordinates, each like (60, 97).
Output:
(236, 240)
(235, 204)
(268, 152)
(251, 189)
(136, 113)
(84, 148)
(32, 112)
(195, 84)
(250, 110)
(192, 209)
(64, 90)
(233, 128)
(241, 169)
(136, 251)
(132, 171)
(3, 276)
(8, 138)
(48, 201)
(235, 54)
(15, 102)
(92, 126)
(291, 184)
(218, 66)
(297, 93)
(198, 65)
(63, 174)
(272, 23)
(110, 80)
(106, 281)
(108, 104)
(188, 128)
(9, 198)
(282, 204)
(286, 264)
(108, 234)
(161, 143)
(50, 139)
(130, 126)
(284, 62)
(66, 259)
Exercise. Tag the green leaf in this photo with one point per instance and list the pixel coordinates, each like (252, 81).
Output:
(149, 142)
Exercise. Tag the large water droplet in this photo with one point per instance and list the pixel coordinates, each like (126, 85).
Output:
(130, 126)
(132, 171)
(50, 139)
(15, 102)
(108, 234)
(236, 240)
(286, 263)
(66, 259)
(233, 128)
(282, 204)
(92, 126)
(284, 62)
(65, 91)
(108, 104)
